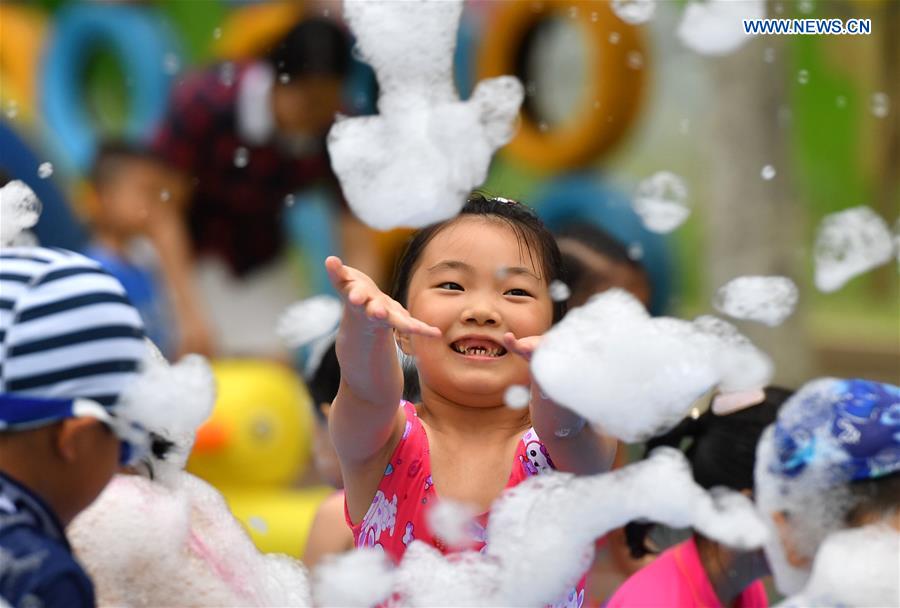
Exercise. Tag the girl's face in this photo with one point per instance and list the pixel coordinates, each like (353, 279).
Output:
(475, 282)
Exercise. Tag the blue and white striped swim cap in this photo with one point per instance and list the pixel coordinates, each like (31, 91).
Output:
(68, 334)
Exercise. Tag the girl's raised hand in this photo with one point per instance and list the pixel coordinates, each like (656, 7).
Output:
(363, 297)
(524, 347)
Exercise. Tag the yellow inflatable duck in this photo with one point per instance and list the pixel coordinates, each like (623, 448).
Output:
(255, 446)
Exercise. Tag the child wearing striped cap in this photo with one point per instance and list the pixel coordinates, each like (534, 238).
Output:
(70, 343)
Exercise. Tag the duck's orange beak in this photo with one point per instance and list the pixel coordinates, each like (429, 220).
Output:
(211, 436)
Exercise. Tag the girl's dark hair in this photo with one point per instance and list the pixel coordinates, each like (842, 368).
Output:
(533, 237)
(721, 450)
(323, 382)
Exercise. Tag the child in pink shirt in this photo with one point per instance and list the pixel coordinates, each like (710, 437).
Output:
(700, 572)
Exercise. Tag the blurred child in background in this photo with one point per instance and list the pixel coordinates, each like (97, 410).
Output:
(130, 183)
(329, 533)
(700, 572)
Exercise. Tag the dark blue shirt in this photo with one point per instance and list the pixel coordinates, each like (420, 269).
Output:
(36, 563)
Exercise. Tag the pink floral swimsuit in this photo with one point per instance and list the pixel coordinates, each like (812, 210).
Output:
(397, 514)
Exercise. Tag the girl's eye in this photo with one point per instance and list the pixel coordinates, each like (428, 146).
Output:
(517, 292)
(450, 285)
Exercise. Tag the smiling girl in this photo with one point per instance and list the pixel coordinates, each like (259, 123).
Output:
(471, 300)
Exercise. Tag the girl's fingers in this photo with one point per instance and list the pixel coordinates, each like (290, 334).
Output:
(523, 347)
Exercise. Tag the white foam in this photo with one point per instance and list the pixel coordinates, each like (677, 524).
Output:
(308, 320)
(171, 401)
(768, 300)
(854, 567)
(767, 172)
(452, 522)
(661, 201)
(715, 27)
(850, 243)
(20, 209)
(45, 170)
(362, 577)
(634, 12)
(416, 161)
(636, 376)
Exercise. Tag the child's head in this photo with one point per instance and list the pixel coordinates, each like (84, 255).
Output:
(310, 62)
(129, 180)
(70, 342)
(593, 261)
(323, 378)
(477, 276)
(721, 450)
(830, 461)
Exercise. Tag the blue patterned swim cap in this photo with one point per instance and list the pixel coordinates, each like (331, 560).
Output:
(849, 428)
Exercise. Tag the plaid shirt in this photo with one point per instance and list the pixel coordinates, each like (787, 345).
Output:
(234, 211)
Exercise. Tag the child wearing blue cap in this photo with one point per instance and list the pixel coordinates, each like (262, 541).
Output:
(831, 462)
(70, 343)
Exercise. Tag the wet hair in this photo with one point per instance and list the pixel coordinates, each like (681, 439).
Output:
(323, 382)
(112, 154)
(873, 498)
(315, 46)
(575, 274)
(720, 449)
(530, 232)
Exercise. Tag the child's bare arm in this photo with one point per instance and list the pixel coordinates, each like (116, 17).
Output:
(574, 445)
(362, 417)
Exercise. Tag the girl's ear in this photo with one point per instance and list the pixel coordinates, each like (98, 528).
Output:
(403, 343)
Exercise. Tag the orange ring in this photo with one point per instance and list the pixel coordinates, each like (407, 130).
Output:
(613, 94)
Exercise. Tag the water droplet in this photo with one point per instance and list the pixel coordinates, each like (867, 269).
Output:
(635, 252)
(805, 6)
(768, 172)
(165, 196)
(661, 201)
(258, 524)
(289, 200)
(573, 12)
(596, 104)
(241, 157)
(559, 291)
(635, 60)
(595, 17)
(45, 170)
(217, 33)
(685, 126)
(769, 55)
(803, 76)
(634, 12)
(614, 37)
(284, 78)
(880, 104)
(695, 413)
(12, 108)
(326, 12)
(171, 63)
(227, 73)
(841, 101)
(543, 126)
(517, 397)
